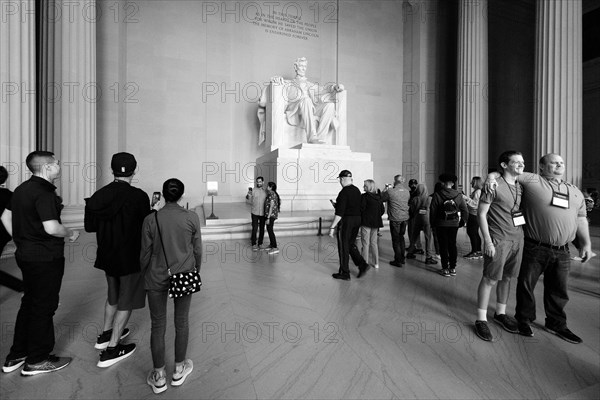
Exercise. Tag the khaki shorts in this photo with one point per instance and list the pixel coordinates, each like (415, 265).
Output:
(126, 292)
(506, 262)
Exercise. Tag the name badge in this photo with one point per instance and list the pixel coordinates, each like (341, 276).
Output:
(518, 218)
(423, 211)
(560, 200)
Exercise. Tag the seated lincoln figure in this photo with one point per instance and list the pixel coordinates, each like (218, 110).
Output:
(309, 106)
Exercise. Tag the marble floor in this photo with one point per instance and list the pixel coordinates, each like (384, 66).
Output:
(273, 327)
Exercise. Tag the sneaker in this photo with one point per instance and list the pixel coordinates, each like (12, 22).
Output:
(396, 264)
(430, 260)
(452, 271)
(376, 266)
(410, 256)
(508, 323)
(50, 364)
(472, 256)
(157, 381)
(565, 334)
(525, 329)
(437, 256)
(113, 355)
(181, 372)
(468, 255)
(483, 331)
(419, 251)
(254, 247)
(479, 255)
(274, 250)
(104, 338)
(445, 272)
(13, 365)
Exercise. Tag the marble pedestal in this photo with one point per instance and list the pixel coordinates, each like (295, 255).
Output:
(306, 174)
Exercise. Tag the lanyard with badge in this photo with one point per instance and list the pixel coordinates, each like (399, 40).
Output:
(559, 199)
(515, 212)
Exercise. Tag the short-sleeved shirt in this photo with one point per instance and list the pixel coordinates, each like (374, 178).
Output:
(259, 195)
(547, 223)
(505, 200)
(348, 201)
(32, 203)
(397, 199)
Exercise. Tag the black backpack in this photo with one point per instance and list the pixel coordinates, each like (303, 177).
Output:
(449, 210)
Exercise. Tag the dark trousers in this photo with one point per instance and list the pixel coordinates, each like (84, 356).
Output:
(473, 232)
(34, 328)
(157, 303)
(346, 240)
(258, 223)
(447, 241)
(397, 229)
(272, 238)
(555, 265)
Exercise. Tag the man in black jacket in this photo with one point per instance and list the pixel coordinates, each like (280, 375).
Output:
(347, 215)
(116, 213)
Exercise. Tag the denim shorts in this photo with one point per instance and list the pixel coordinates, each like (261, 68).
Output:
(506, 261)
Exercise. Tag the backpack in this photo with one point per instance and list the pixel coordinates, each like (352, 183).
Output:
(449, 210)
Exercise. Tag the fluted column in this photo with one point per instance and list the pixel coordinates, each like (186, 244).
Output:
(78, 103)
(558, 78)
(472, 85)
(17, 87)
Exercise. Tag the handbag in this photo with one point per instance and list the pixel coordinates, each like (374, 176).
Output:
(183, 283)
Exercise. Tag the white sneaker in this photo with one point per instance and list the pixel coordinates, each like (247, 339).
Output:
(157, 380)
(274, 250)
(181, 372)
(376, 266)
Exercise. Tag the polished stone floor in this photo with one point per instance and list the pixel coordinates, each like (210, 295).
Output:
(280, 327)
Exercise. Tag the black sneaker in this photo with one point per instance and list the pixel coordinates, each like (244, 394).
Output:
(396, 264)
(525, 329)
(508, 323)
(113, 355)
(341, 276)
(419, 251)
(13, 365)
(565, 334)
(483, 331)
(452, 271)
(445, 272)
(410, 256)
(104, 338)
(51, 364)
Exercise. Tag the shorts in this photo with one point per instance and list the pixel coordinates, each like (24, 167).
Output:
(126, 292)
(506, 262)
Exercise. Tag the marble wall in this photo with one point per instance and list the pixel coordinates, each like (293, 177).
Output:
(182, 80)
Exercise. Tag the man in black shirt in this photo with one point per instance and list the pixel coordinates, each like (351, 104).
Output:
(347, 216)
(32, 217)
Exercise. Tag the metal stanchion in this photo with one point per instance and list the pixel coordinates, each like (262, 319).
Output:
(320, 226)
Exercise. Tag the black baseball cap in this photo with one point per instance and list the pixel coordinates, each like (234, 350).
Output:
(345, 174)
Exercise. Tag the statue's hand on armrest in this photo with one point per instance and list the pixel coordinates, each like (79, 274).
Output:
(278, 80)
(338, 87)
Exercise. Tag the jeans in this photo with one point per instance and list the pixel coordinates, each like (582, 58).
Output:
(473, 232)
(447, 241)
(397, 229)
(34, 328)
(555, 265)
(346, 239)
(368, 238)
(157, 302)
(258, 222)
(422, 224)
(272, 238)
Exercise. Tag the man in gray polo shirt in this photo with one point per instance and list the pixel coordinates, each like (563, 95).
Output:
(397, 209)
(555, 213)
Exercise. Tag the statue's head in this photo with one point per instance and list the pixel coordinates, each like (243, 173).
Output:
(300, 66)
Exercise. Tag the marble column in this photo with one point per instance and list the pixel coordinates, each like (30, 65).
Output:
(17, 84)
(77, 111)
(558, 78)
(472, 86)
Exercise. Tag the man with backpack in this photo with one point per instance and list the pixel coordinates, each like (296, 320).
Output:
(448, 212)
